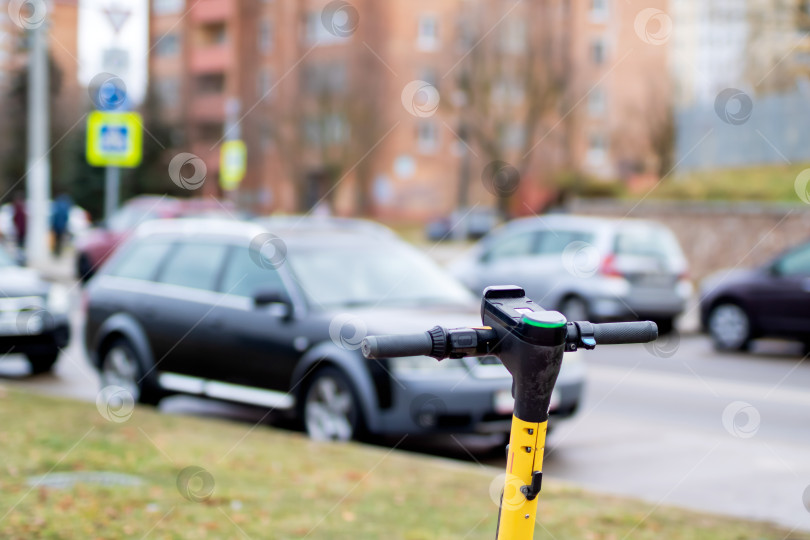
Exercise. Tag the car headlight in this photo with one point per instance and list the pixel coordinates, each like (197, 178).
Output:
(411, 364)
(58, 301)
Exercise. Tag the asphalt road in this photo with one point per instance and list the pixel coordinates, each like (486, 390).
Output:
(674, 424)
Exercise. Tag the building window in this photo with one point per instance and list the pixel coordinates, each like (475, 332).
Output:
(210, 83)
(430, 76)
(513, 136)
(597, 149)
(326, 130)
(514, 37)
(168, 92)
(264, 83)
(214, 34)
(265, 37)
(427, 137)
(167, 45)
(599, 10)
(596, 102)
(325, 78)
(598, 51)
(167, 7)
(317, 34)
(428, 33)
(210, 131)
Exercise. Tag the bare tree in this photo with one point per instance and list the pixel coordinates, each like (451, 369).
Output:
(513, 81)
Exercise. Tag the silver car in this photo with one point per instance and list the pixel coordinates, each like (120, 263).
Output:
(587, 268)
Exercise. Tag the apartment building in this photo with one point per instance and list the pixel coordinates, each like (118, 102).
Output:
(327, 98)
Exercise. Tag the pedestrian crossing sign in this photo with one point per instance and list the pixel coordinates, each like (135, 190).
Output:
(114, 139)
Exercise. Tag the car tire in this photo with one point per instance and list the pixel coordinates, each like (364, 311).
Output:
(575, 308)
(665, 325)
(729, 327)
(122, 366)
(43, 362)
(330, 409)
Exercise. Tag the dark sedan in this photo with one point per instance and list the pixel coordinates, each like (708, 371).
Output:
(227, 310)
(738, 306)
(33, 315)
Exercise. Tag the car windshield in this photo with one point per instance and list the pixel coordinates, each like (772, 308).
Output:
(377, 275)
(5, 259)
(130, 217)
(654, 242)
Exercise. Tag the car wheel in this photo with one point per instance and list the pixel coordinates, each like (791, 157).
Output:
(575, 309)
(665, 325)
(121, 366)
(729, 327)
(331, 410)
(42, 363)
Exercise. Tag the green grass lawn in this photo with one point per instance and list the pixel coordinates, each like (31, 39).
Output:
(265, 483)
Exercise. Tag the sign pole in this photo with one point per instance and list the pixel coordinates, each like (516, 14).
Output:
(38, 180)
(112, 186)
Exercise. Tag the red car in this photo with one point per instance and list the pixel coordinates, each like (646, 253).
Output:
(94, 247)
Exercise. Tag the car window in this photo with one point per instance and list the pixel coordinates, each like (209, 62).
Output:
(514, 245)
(130, 217)
(795, 263)
(244, 277)
(647, 241)
(195, 265)
(141, 260)
(5, 259)
(555, 241)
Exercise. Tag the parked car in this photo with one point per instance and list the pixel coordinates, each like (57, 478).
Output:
(229, 310)
(463, 224)
(98, 243)
(33, 315)
(737, 306)
(588, 268)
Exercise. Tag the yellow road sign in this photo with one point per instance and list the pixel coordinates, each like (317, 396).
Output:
(114, 139)
(232, 164)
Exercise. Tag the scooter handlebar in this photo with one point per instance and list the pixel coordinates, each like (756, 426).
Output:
(397, 345)
(622, 332)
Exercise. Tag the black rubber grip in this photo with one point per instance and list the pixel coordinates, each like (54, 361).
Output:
(397, 345)
(625, 332)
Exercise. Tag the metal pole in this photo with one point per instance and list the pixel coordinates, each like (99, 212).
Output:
(38, 179)
(112, 186)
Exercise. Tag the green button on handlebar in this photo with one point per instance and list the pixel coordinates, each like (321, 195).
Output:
(545, 319)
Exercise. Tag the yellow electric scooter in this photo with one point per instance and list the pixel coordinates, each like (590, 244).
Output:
(530, 342)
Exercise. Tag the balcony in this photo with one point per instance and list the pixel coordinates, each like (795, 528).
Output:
(208, 11)
(210, 58)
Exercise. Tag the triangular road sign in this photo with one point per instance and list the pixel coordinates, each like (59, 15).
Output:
(117, 16)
